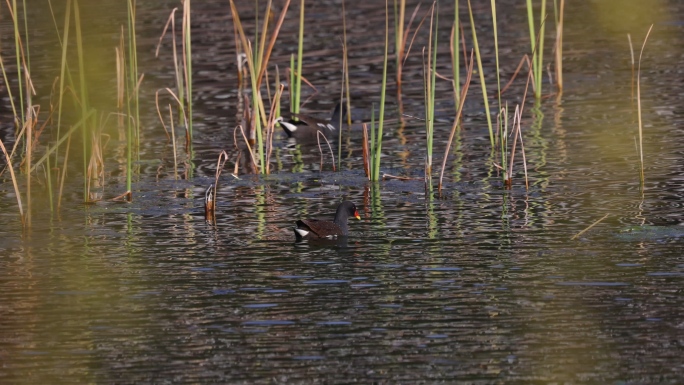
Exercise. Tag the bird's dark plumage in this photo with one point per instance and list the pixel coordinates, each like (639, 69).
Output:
(310, 229)
(304, 127)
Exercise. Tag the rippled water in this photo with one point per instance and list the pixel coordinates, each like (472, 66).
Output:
(479, 285)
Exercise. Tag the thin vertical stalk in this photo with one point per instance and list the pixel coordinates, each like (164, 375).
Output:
(17, 49)
(455, 62)
(372, 144)
(27, 63)
(399, 15)
(173, 145)
(83, 95)
(187, 59)
(559, 46)
(504, 141)
(540, 54)
(631, 51)
(132, 96)
(533, 42)
(462, 97)
(496, 55)
(430, 78)
(482, 78)
(641, 136)
(300, 53)
(381, 119)
(345, 87)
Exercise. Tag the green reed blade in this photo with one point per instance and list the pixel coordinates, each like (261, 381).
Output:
(381, 119)
(18, 55)
(455, 62)
(482, 78)
(83, 95)
(300, 53)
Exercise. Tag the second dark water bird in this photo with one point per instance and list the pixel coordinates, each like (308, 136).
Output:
(304, 127)
(312, 229)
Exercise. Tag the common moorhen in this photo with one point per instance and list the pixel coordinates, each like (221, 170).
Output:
(304, 127)
(311, 229)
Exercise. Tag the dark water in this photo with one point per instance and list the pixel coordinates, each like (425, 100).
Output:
(479, 285)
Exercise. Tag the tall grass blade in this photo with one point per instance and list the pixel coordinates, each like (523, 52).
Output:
(381, 118)
(300, 54)
(455, 61)
(430, 76)
(454, 127)
(537, 43)
(496, 56)
(187, 61)
(83, 96)
(560, 12)
(482, 78)
(18, 55)
(631, 51)
(540, 53)
(641, 135)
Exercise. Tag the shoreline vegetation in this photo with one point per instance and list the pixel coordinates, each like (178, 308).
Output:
(75, 126)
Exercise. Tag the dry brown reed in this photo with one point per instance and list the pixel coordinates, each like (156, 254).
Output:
(454, 127)
(320, 150)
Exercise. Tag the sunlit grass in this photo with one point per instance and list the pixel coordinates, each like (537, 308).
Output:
(429, 78)
(257, 69)
(295, 99)
(480, 71)
(641, 135)
(377, 146)
(537, 43)
(459, 111)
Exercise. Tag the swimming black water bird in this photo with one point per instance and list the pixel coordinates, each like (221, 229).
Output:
(312, 229)
(304, 127)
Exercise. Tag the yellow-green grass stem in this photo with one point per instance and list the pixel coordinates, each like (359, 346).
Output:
(496, 56)
(540, 53)
(83, 95)
(430, 78)
(482, 78)
(455, 62)
(459, 111)
(17, 50)
(187, 50)
(641, 135)
(132, 97)
(300, 53)
(381, 118)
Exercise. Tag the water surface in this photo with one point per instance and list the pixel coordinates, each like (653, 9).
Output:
(478, 285)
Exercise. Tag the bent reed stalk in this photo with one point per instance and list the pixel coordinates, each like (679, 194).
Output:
(454, 127)
(641, 135)
(377, 148)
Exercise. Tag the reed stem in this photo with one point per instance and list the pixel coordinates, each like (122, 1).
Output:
(381, 118)
(300, 54)
(482, 78)
(641, 135)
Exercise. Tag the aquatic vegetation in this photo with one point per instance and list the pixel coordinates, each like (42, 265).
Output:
(537, 44)
(480, 71)
(261, 100)
(641, 135)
